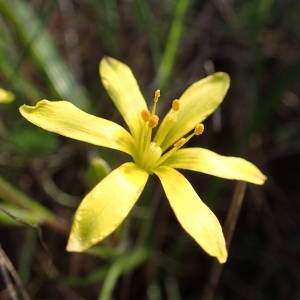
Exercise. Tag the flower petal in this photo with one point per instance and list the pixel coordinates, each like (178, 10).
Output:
(196, 103)
(123, 89)
(209, 162)
(194, 216)
(6, 96)
(64, 118)
(106, 206)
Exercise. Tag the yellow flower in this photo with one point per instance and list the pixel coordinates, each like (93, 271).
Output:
(6, 96)
(110, 201)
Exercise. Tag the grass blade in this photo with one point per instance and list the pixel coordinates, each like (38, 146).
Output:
(43, 50)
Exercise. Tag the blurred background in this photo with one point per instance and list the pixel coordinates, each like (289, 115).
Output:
(51, 49)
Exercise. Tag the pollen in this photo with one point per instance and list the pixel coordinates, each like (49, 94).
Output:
(153, 121)
(146, 115)
(175, 105)
(199, 129)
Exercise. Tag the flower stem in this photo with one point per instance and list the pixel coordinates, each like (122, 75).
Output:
(229, 226)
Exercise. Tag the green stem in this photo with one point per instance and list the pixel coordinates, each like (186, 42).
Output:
(14, 196)
(123, 264)
(174, 37)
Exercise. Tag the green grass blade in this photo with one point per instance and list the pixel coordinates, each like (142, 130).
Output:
(43, 50)
(9, 59)
(173, 39)
(17, 198)
(125, 263)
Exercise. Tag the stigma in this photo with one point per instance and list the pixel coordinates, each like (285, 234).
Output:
(151, 118)
(156, 96)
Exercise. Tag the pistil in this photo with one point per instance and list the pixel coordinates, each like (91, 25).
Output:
(155, 100)
(149, 152)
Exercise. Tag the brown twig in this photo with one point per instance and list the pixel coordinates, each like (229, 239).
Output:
(7, 267)
(229, 227)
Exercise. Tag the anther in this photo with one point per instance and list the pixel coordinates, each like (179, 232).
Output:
(180, 143)
(156, 96)
(153, 121)
(175, 105)
(145, 115)
(199, 129)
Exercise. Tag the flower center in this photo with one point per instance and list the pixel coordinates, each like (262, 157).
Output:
(150, 154)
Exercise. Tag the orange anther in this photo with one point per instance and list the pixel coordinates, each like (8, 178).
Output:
(199, 129)
(175, 105)
(145, 115)
(180, 143)
(153, 121)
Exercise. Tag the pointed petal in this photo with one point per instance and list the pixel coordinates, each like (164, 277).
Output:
(123, 89)
(106, 206)
(64, 118)
(209, 162)
(194, 216)
(196, 103)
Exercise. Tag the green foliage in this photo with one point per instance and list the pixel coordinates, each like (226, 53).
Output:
(41, 47)
(97, 170)
(32, 142)
(172, 43)
(19, 208)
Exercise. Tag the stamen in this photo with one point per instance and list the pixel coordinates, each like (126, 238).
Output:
(145, 115)
(175, 105)
(199, 129)
(153, 121)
